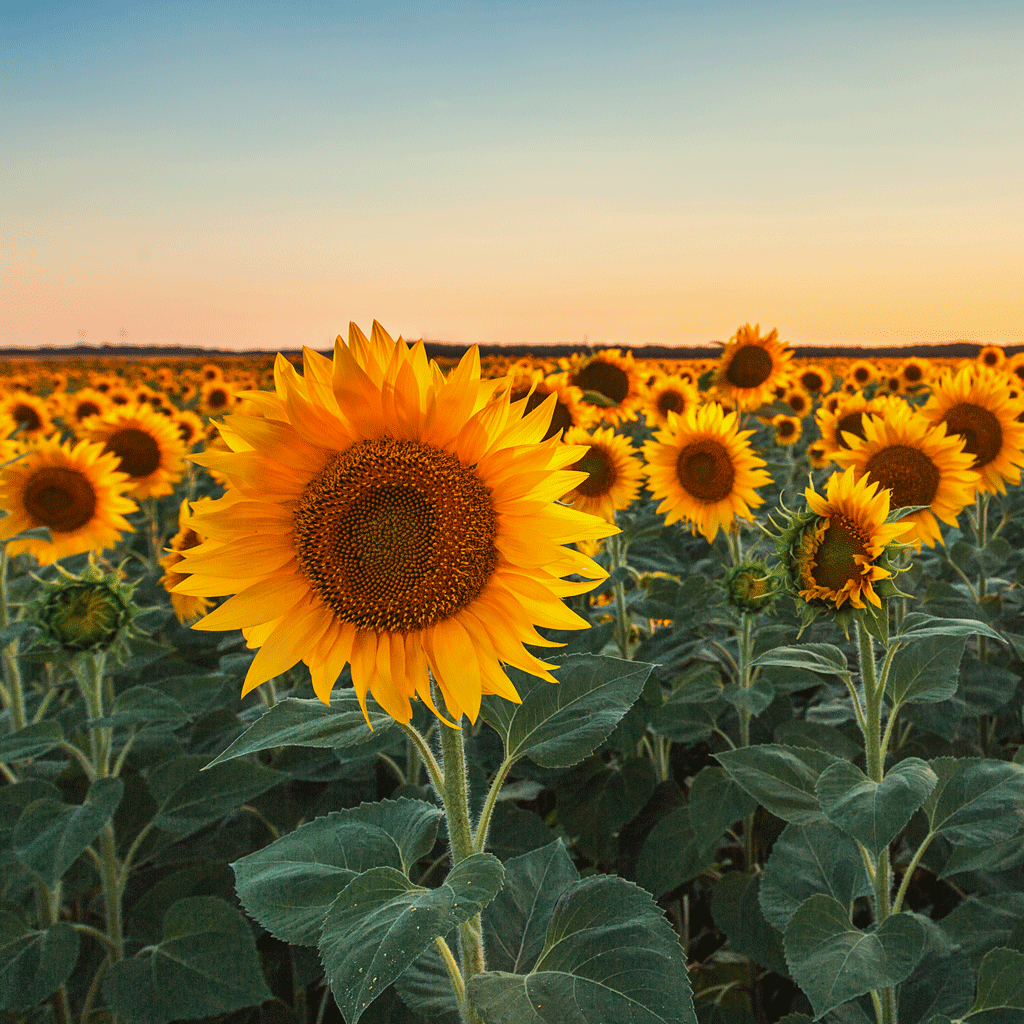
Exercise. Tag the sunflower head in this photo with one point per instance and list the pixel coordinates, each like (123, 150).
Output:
(187, 608)
(752, 367)
(839, 551)
(751, 587)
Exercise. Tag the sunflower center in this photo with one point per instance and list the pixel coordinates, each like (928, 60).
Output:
(750, 367)
(62, 499)
(984, 435)
(911, 475)
(26, 417)
(605, 378)
(834, 564)
(671, 401)
(138, 451)
(705, 470)
(395, 535)
(786, 428)
(86, 408)
(912, 373)
(602, 473)
(812, 380)
(797, 403)
(217, 398)
(852, 423)
(862, 375)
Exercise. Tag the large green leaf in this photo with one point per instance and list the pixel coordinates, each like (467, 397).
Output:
(610, 955)
(308, 723)
(807, 860)
(289, 885)
(32, 741)
(207, 964)
(190, 798)
(986, 688)
(976, 800)
(1000, 982)
(979, 924)
(690, 712)
(35, 964)
(736, 905)
(833, 962)
(1004, 856)
(672, 854)
(926, 671)
(824, 659)
(919, 626)
(382, 922)
(940, 984)
(874, 812)
(50, 835)
(781, 778)
(142, 704)
(559, 725)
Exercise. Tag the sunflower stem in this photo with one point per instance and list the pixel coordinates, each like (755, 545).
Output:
(617, 548)
(48, 910)
(14, 695)
(744, 658)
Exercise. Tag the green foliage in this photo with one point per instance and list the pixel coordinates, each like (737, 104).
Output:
(34, 964)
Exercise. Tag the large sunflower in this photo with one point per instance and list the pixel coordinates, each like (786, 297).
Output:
(705, 469)
(147, 445)
(616, 378)
(844, 416)
(919, 463)
(75, 492)
(752, 367)
(834, 559)
(614, 473)
(975, 403)
(380, 514)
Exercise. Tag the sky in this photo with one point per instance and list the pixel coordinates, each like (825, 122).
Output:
(256, 175)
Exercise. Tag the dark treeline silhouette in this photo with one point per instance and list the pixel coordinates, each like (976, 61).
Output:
(951, 350)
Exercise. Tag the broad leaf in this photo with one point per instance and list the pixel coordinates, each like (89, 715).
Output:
(610, 955)
(1004, 856)
(142, 704)
(986, 688)
(976, 801)
(35, 964)
(780, 778)
(1000, 981)
(926, 671)
(559, 725)
(716, 802)
(289, 885)
(672, 854)
(207, 964)
(918, 626)
(736, 905)
(833, 962)
(382, 922)
(824, 659)
(32, 741)
(874, 812)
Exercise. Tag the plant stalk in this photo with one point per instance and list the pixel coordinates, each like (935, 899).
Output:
(15, 697)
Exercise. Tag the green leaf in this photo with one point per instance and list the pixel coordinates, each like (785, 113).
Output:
(32, 741)
(50, 835)
(201, 797)
(874, 812)
(832, 961)
(780, 778)
(982, 923)
(610, 955)
(736, 905)
(976, 801)
(515, 922)
(35, 965)
(559, 725)
(1004, 856)
(207, 964)
(672, 854)
(141, 704)
(1000, 982)
(692, 709)
(308, 723)
(808, 860)
(939, 985)
(926, 672)
(716, 802)
(382, 922)
(986, 688)
(289, 885)
(824, 659)
(754, 698)
(918, 626)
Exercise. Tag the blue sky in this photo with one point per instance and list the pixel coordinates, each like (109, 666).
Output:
(260, 174)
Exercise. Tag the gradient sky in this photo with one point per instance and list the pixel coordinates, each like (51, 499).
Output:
(256, 175)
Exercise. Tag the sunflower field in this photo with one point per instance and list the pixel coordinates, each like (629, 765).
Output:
(594, 690)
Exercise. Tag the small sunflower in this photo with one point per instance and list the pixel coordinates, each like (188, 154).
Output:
(798, 400)
(147, 445)
(669, 394)
(861, 373)
(75, 492)
(752, 367)
(614, 473)
(704, 468)
(216, 397)
(834, 556)
(30, 413)
(992, 356)
(787, 429)
(382, 514)
(819, 455)
(814, 379)
(920, 464)
(187, 608)
(190, 427)
(82, 406)
(915, 372)
(975, 404)
(614, 378)
(845, 417)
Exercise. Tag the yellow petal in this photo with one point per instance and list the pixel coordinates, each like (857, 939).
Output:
(298, 630)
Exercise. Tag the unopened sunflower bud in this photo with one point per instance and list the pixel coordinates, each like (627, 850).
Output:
(750, 587)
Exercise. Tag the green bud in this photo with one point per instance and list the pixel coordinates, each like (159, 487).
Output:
(750, 587)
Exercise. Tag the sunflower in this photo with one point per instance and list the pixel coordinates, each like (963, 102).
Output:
(992, 356)
(669, 393)
(614, 473)
(819, 455)
(31, 414)
(844, 416)
(82, 406)
(147, 445)
(570, 409)
(814, 379)
(191, 428)
(798, 400)
(787, 429)
(617, 381)
(216, 397)
(919, 463)
(381, 514)
(752, 367)
(834, 558)
(861, 373)
(976, 405)
(186, 607)
(705, 469)
(75, 492)
(915, 372)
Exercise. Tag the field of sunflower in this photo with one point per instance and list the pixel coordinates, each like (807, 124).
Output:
(273, 746)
